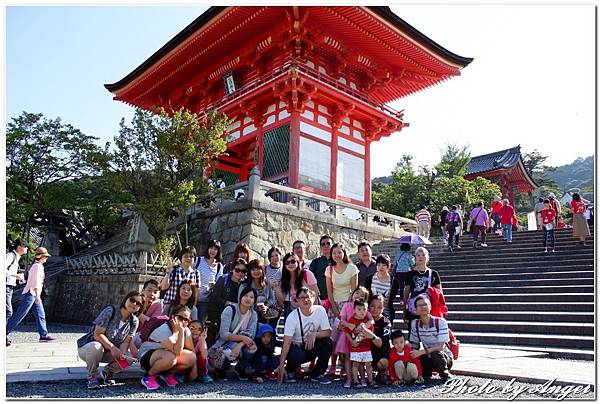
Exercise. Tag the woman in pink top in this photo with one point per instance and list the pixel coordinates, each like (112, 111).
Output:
(31, 298)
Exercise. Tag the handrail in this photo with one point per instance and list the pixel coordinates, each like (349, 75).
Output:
(294, 191)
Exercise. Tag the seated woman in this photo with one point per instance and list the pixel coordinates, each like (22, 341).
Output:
(186, 295)
(109, 339)
(265, 305)
(225, 292)
(152, 307)
(236, 335)
(169, 350)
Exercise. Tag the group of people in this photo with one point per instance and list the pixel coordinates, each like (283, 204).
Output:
(213, 315)
(502, 217)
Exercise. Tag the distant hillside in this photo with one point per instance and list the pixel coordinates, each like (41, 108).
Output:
(578, 174)
(382, 180)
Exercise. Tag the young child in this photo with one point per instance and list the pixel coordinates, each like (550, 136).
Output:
(198, 331)
(380, 350)
(342, 346)
(403, 368)
(264, 362)
(360, 339)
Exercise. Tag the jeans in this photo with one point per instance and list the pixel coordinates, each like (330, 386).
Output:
(299, 355)
(26, 304)
(496, 218)
(452, 237)
(476, 231)
(548, 237)
(399, 278)
(507, 232)
(202, 311)
(444, 233)
(9, 309)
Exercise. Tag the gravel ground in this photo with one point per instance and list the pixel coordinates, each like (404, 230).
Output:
(240, 390)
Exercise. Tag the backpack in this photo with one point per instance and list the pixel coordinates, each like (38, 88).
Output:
(89, 336)
(152, 324)
(453, 344)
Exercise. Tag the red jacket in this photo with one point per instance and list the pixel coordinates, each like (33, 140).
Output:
(496, 206)
(438, 302)
(548, 215)
(577, 207)
(404, 357)
(506, 214)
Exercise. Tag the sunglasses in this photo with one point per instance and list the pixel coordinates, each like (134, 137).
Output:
(289, 262)
(135, 301)
(181, 318)
(326, 244)
(240, 270)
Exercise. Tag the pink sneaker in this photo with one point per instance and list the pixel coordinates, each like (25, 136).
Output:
(169, 379)
(150, 382)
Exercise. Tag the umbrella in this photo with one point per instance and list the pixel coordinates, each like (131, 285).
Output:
(413, 239)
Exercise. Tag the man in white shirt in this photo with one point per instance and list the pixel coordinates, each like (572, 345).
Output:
(306, 336)
(13, 276)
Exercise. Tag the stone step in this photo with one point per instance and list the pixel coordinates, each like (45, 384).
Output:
(586, 308)
(524, 252)
(536, 340)
(517, 281)
(543, 327)
(514, 268)
(564, 353)
(557, 257)
(527, 274)
(566, 298)
(535, 290)
(510, 263)
(534, 316)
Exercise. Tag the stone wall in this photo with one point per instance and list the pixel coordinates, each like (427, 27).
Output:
(262, 223)
(79, 299)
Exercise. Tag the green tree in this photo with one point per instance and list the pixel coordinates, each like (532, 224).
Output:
(159, 161)
(48, 164)
(454, 161)
(534, 164)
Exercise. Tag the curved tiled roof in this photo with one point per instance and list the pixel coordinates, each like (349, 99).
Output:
(494, 161)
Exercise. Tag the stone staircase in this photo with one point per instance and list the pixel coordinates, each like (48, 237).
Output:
(514, 295)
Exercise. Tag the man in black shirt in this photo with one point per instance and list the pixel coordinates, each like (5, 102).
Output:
(366, 265)
(319, 265)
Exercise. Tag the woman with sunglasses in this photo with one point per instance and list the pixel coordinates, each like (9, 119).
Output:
(169, 351)
(266, 302)
(225, 292)
(293, 278)
(236, 335)
(109, 339)
(186, 295)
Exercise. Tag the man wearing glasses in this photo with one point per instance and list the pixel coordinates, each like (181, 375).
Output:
(319, 265)
(306, 337)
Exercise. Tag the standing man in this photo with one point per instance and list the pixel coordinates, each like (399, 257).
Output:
(299, 249)
(366, 265)
(319, 265)
(453, 222)
(538, 213)
(13, 276)
(507, 215)
(423, 219)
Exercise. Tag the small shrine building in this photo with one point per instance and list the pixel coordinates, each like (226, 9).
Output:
(504, 168)
(306, 87)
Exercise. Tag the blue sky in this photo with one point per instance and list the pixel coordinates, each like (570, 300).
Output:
(532, 81)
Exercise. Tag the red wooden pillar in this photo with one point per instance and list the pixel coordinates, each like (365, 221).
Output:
(294, 166)
(367, 173)
(260, 145)
(334, 163)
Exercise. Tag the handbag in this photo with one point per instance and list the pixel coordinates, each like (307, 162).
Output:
(43, 293)
(471, 225)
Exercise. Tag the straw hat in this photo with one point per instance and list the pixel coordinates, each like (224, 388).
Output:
(41, 252)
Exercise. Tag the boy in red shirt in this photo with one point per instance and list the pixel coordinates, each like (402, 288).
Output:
(403, 367)
(360, 344)
(548, 215)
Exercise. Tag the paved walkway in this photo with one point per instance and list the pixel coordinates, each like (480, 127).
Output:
(45, 362)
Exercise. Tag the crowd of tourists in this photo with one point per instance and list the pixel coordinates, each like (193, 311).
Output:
(207, 319)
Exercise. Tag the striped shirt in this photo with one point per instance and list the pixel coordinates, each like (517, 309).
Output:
(423, 216)
(429, 335)
(208, 274)
(381, 287)
(273, 273)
